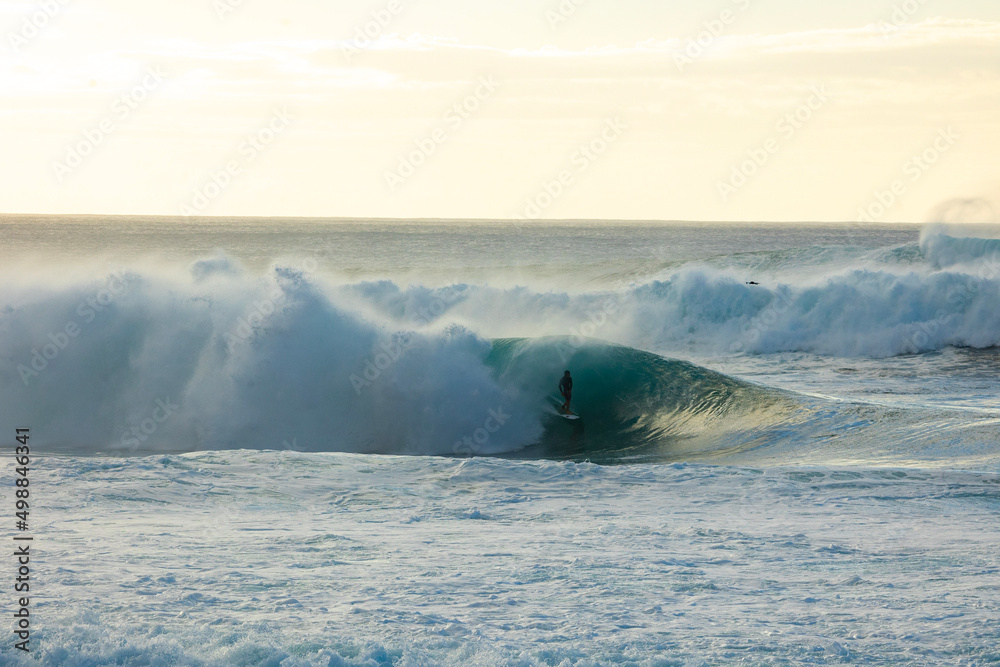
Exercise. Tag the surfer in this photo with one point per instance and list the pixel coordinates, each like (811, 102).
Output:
(566, 389)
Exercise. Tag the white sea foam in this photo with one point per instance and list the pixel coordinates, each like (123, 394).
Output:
(276, 558)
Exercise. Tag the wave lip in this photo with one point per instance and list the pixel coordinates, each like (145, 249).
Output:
(942, 249)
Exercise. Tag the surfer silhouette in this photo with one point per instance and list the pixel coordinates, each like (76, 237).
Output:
(566, 389)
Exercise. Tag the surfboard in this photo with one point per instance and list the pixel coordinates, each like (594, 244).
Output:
(557, 404)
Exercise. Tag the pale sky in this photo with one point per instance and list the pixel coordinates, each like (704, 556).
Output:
(739, 110)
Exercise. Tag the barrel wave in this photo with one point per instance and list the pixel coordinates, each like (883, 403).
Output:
(636, 406)
(151, 363)
(211, 356)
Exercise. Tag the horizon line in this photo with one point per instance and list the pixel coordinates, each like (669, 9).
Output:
(515, 221)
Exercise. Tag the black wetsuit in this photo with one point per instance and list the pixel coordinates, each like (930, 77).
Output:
(566, 386)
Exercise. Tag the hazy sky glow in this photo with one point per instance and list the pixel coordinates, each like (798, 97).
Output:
(585, 109)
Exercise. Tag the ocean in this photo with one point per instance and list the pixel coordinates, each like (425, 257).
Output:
(335, 442)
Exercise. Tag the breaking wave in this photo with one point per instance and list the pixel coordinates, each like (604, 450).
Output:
(218, 358)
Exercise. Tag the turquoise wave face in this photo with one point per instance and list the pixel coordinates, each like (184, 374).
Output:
(635, 406)
(639, 407)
